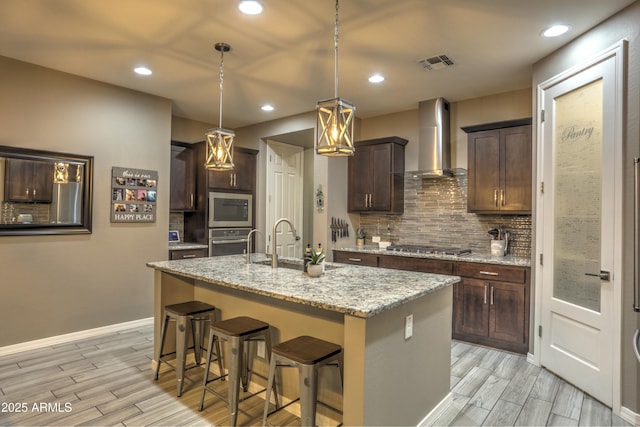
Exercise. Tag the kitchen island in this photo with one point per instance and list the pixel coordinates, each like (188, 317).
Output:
(390, 378)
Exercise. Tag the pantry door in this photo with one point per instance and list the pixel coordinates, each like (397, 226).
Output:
(579, 206)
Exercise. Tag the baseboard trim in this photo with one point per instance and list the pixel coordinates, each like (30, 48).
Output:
(73, 336)
(629, 416)
(437, 411)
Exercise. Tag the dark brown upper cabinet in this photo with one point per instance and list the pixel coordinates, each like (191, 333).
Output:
(376, 176)
(183, 178)
(242, 177)
(499, 167)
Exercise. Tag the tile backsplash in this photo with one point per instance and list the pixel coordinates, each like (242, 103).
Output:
(435, 213)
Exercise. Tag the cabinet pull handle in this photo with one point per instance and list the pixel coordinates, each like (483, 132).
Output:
(191, 200)
(492, 295)
(489, 273)
(188, 256)
(235, 180)
(502, 199)
(370, 200)
(26, 192)
(485, 293)
(355, 259)
(495, 197)
(34, 192)
(366, 200)
(230, 180)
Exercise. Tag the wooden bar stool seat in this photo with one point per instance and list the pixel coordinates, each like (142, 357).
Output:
(239, 333)
(307, 354)
(189, 315)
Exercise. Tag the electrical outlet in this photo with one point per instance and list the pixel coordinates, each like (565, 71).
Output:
(261, 350)
(375, 239)
(408, 327)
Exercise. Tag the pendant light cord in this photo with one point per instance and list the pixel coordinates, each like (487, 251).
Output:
(335, 39)
(221, 81)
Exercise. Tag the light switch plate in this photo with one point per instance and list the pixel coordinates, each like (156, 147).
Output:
(408, 326)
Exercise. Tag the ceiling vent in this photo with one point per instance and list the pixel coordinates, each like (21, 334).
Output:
(436, 62)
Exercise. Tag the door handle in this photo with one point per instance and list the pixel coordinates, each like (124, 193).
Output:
(603, 275)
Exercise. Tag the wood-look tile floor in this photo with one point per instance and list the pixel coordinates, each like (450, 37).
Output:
(107, 380)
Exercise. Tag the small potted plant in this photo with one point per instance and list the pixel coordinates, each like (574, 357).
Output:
(360, 235)
(314, 263)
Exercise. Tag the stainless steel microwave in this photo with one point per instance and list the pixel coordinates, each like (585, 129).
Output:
(230, 209)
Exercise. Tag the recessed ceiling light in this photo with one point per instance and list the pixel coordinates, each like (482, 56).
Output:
(267, 107)
(555, 30)
(250, 7)
(376, 78)
(143, 71)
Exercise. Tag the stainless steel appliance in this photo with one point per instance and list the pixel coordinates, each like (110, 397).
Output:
(425, 249)
(230, 209)
(66, 207)
(228, 241)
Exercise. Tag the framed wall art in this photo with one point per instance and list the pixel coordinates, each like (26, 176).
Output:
(134, 194)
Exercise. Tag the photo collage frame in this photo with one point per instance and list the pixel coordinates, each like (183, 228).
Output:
(134, 195)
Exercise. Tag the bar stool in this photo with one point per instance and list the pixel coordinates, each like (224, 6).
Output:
(187, 315)
(308, 354)
(237, 332)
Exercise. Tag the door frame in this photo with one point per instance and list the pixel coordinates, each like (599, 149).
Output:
(618, 52)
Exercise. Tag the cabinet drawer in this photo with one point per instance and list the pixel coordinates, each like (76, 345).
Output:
(493, 272)
(370, 260)
(423, 265)
(187, 253)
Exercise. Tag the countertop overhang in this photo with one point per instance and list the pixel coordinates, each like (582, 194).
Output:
(354, 290)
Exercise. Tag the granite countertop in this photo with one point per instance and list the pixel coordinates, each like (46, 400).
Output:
(183, 246)
(350, 289)
(472, 257)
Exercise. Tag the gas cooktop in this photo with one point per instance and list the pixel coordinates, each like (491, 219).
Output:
(422, 249)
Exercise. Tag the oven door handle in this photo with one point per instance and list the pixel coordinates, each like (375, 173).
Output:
(222, 242)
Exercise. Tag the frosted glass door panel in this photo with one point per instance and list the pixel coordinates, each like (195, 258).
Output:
(577, 199)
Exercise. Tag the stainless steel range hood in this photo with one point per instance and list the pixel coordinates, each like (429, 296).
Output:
(434, 145)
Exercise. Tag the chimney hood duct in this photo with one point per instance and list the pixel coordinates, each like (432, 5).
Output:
(434, 145)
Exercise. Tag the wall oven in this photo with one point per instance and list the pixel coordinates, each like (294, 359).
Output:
(230, 209)
(228, 241)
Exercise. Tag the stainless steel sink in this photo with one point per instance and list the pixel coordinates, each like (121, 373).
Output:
(294, 264)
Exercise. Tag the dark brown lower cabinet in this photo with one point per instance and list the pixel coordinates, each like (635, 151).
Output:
(188, 253)
(493, 312)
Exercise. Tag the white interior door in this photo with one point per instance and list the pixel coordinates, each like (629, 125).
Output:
(284, 197)
(579, 218)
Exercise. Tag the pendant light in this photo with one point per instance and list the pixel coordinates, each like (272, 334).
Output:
(220, 140)
(335, 118)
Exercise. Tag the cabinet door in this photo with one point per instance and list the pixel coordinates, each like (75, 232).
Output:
(28, 181)
(506, 319)
(241, 178)
(381, 178)
(245, 169)
(515, 160)
(359, 179)
(472, 307)
(17, 184)
(183, 188)
(484, 171)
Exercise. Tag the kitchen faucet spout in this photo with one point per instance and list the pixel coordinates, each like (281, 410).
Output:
(274, 254)
(248, 251)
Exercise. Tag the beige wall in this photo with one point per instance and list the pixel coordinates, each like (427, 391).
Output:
(52, 285)
(487, 109)
(622, 26)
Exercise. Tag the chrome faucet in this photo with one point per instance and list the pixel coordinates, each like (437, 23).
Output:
(248, 251)
(274, 254)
